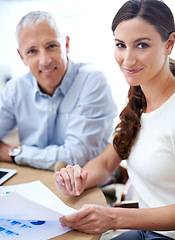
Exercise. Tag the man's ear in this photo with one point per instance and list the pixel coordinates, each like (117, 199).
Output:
(170, 43)
(67, 45)
(20, 54)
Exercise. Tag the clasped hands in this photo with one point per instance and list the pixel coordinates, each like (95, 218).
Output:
(71, 180)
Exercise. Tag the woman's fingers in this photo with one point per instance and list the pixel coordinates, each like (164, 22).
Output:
(84, 176)
(58, 178)
(90, 218)
(66, 174)
(80, 178)
(73, 218)
(71, 180)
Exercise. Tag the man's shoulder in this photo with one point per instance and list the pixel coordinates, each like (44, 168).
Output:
(20, 81)
(84, 75)
(18, 87)
(90, 68)
(85, 69)
(88, 76)
(24, 77)
(87, 72)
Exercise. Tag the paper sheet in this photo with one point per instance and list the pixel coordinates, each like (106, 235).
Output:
(31, 211)
(28, 230)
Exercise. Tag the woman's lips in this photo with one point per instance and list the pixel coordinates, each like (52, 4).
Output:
(132, 70)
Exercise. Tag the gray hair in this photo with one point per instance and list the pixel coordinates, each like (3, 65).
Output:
(35, 17)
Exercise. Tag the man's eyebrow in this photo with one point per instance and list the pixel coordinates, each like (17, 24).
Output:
(28, 48)
(47, 43)
(52, 42)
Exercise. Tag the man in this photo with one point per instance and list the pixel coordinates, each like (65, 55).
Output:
(64, 111)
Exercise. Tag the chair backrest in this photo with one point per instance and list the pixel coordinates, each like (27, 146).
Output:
(127, 197)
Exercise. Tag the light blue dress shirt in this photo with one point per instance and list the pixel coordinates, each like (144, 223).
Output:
(73, 125)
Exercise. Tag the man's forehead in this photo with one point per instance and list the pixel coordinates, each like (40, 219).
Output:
(39, 32)
(40, 27)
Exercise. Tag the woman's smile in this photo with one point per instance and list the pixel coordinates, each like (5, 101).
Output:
(132, 70)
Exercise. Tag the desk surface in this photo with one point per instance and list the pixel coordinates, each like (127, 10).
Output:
(91, 196)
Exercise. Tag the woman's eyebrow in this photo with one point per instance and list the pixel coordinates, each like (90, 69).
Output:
(135, 41)
(118, 40)
(141, 39)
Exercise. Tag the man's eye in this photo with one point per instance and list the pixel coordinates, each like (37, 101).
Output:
(142, 45)
(31, 51)
(120, 45)
(52, 46)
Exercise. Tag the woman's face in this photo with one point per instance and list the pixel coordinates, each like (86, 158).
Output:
(139, 51)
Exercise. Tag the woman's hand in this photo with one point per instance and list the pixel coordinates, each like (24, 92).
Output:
(71, 180)
(91, 219)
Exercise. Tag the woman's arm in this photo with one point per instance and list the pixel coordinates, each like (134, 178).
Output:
(96, 219)
(101, 168)
(151, 219)
(72, 180)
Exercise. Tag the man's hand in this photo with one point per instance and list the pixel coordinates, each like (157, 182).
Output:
(4, 152)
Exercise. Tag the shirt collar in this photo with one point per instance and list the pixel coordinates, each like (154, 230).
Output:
(65, 84)
(68, 78)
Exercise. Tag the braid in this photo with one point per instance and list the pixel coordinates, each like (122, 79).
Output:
(172, 66)
(126, 131)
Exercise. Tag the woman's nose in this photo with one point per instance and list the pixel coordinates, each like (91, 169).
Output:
(129, 58)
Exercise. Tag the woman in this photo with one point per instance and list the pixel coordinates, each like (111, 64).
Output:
(144, 38)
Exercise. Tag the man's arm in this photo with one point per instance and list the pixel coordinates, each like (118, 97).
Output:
(4, 152)
(90, 122)
(88, 130)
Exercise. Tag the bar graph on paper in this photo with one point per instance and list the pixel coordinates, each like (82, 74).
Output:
(31, 211)
(13, 229)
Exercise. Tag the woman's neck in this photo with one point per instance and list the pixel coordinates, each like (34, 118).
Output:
(159, 92)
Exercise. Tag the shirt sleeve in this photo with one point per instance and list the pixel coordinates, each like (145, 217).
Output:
(90, 125)
(7, 115)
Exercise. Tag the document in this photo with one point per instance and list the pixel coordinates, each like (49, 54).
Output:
(31, 211)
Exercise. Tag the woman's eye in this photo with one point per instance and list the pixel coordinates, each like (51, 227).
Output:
(142, 45)
(120, 45)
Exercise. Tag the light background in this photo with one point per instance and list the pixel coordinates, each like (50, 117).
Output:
(86, 22)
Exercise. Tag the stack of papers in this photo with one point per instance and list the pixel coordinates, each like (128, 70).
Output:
(31, 211)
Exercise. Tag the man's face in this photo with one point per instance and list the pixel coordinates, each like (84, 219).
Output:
(44, 51)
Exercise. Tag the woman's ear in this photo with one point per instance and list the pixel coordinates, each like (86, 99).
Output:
(170, 43)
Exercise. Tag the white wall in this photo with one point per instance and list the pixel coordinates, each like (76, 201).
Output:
(88, 23)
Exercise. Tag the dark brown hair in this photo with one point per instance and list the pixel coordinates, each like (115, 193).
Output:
(160, 16)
